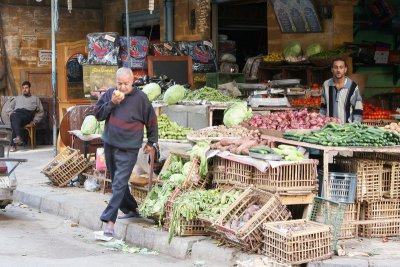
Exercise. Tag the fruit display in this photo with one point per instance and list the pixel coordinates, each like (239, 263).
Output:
(376, 113)
(274, 58)
(306, 102)
(290, 120)
(349, 134)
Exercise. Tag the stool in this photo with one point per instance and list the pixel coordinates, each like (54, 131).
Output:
(31, 129)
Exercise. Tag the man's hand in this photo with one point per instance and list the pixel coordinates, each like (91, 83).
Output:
(117, 97)
(148, 148)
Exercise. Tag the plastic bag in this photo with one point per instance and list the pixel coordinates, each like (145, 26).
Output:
(91, 184)
(100, 160)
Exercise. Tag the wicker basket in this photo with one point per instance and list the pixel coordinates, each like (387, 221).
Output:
(349, 229)
(139, 193)
(249, 237)
(386, 209)
(239, 174)
(297, 241)
(287, 178)
(65, 166)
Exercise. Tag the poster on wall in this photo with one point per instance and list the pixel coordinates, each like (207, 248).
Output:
(296, 16)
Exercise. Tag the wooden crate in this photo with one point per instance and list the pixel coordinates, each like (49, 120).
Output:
(349, 229)
(239, 174)
(297, 241)
(194, 227)
(394, 190)
(218, 171)
(385, 209)
(378, 123)
(249, 237)
(288, 178)
(65, 166)
(380, 229)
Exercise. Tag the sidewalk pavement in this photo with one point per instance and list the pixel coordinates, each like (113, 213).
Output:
(83, 207)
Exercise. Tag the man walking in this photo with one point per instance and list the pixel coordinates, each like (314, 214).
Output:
(126, 111)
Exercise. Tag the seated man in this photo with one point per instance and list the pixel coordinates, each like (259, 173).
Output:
(23, 110)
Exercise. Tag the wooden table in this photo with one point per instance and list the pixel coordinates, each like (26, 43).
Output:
(327, 150)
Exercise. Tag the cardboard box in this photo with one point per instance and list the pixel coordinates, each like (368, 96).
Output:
(98, 78)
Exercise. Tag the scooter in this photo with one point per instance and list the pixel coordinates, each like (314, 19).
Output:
(8, 181)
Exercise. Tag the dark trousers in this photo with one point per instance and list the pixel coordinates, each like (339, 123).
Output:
(120, 164)
(19, 118)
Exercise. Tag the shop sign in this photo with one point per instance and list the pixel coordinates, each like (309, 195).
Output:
(45, 55)
(29, 38)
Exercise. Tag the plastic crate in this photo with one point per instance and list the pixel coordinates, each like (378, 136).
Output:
(342, 186)
(329, 212)
(297, 241)
(65, 166)
(349, 228)
(249, 237)
(215, 78)
(301, 176)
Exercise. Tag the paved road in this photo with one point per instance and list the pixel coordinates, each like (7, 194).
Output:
(30, 238)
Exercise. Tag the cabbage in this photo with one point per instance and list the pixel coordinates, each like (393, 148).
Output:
(236, 114)
(186, 168)
(152, 90)
(177, 178)
(313, 49)
(174, 94)
(89, 125)
(292, 49)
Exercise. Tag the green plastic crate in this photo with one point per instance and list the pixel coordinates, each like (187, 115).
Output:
(216, 78)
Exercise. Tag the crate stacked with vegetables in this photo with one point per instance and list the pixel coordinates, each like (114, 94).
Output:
(208, 94)
(282, 121)
(239, 146)
(350, 134)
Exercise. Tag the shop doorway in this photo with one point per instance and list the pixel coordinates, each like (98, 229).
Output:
(242, 29)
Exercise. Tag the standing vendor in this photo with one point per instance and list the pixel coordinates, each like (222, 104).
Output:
(341, 96)
(126, 110)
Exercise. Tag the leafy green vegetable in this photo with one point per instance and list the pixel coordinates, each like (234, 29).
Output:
(152, 90)
(89, 125)
(200, 150)
(186, 168)
(174, 94)
(313, 49)
(236, 114)
(292, 49)
(208, 94)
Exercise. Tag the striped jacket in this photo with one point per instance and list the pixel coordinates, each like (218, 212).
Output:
(125, 122)
(344, 104)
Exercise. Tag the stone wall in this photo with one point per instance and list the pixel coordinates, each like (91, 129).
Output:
(27, 29)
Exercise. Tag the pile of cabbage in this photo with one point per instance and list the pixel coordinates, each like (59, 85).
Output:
(91, 125)
(293, 51)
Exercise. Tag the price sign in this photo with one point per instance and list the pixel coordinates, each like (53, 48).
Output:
(45, 55)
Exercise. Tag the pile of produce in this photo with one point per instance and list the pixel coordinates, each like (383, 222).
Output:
(329, 54)
(274, 58)
(292, 49)
(239, 146)
(393, 127)
(376, 113)
(239, 221)
(290, 153)
(91, 125)
(207, 204)
(350, 134)
(171, 130)
(291, 120)
(174, 94)
(306, 102)
(152, 90)
(221, 131)
(295, 59)
(154, 203)
(236, 114)
(313, 49)
(208, 94)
